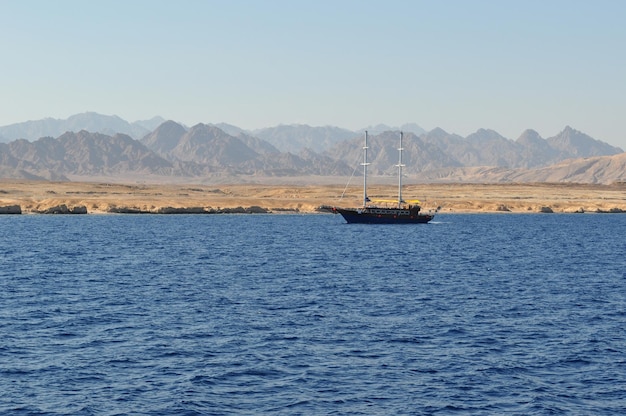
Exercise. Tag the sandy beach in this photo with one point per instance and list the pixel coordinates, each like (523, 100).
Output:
(99, 198)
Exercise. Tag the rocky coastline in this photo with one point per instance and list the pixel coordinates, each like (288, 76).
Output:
(76, 198)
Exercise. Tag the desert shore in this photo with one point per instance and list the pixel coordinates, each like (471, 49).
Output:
(100, 198)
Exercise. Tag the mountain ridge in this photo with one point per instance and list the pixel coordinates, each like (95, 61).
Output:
(91, 121)
(172, 150)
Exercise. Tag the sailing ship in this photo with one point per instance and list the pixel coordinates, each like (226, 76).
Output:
(405, 212)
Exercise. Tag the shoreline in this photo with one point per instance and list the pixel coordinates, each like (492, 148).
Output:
(41, 197)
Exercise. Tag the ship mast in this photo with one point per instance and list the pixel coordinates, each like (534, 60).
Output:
(365, 163)
(400, 165)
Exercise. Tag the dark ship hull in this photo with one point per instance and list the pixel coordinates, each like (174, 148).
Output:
(374, 215)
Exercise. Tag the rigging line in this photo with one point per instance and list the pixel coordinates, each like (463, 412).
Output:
(356, 166)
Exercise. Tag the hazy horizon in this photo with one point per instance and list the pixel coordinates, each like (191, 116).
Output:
(456, 65)
(407, 126)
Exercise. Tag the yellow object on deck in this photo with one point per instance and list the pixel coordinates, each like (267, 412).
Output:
(395, 201)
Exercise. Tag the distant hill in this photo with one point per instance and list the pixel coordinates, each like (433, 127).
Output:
(164, 138)
(573, 143)
(147, 125)
(381, 128)
(203, 150)
(596, 170)
(438, 149)
(172, 150)
(32, 130)
(209, 146)
(83, 153)
(488, 148)
(294, 138)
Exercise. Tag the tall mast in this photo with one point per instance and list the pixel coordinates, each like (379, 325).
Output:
(365, 163)
(400, 165)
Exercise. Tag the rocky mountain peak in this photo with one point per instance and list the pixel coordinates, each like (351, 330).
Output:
(485, 135)
(574, 143)
(165, 137)
(437, 133)
(529, 136)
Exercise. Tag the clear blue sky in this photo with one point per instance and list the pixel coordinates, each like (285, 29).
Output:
(458, 65)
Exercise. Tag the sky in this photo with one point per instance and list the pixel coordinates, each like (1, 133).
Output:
(458, 65)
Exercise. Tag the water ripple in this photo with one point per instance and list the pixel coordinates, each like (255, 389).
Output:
(219, 315)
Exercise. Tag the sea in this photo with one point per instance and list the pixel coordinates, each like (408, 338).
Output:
(280, 314)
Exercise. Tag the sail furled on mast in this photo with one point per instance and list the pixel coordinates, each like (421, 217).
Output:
(400, 165)
(365, 163)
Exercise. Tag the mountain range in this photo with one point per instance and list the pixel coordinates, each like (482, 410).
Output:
(90, 121)
(93, 145)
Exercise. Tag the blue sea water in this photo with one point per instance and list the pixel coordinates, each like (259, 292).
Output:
(304, 314)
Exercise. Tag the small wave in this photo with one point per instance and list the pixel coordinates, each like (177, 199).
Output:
(405, 340)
